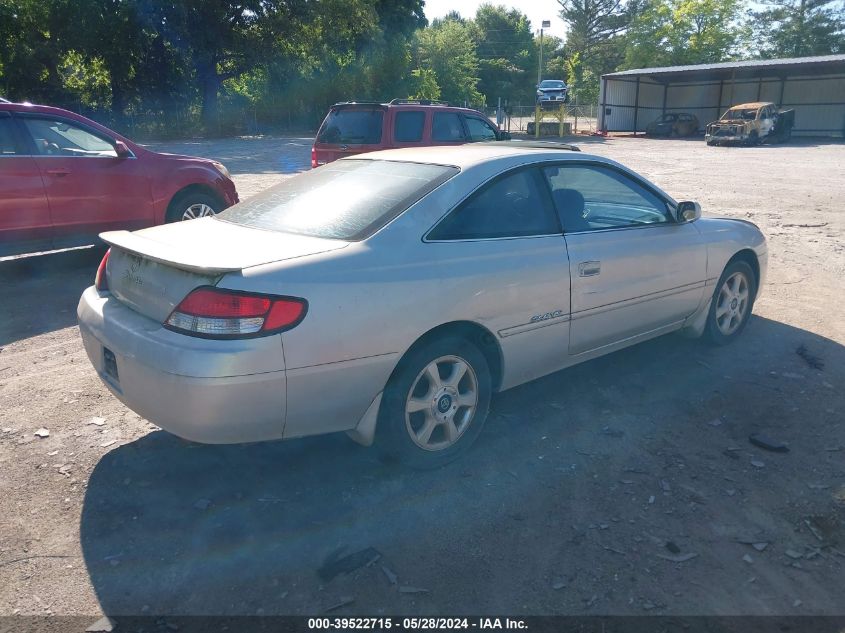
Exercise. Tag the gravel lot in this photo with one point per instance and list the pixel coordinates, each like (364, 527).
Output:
(575, 500)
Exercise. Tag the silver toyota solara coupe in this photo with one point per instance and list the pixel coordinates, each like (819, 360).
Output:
(390, 294)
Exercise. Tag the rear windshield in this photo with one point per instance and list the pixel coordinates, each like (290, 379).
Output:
(352, 127)
(346, 200)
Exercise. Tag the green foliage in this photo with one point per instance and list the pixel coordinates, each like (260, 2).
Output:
(168, 67)
(596, 38)
(675, 32)
(447, 48)
(87, 79)
(424, 84)
(507, 54)
(796, 28)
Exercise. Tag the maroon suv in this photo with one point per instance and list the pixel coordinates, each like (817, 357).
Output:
(356, 127)
(64, 179)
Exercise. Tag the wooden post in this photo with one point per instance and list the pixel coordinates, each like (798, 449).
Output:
(560, 126)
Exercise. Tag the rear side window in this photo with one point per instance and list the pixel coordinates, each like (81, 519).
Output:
(344, 200)
(8, 143)
(408, 127)
(446, 126)
(352, 127)
(512, 206)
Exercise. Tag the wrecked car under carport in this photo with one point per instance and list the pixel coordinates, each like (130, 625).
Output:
(813, 87)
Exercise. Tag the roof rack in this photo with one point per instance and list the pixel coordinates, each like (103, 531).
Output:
(418, 102)
(537, 145)
(353, 103)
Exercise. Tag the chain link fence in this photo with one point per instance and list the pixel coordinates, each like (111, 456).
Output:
(520, 119)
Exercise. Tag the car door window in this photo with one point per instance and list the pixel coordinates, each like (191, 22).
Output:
(593, 197)
(408, 127)
(479, 130)
(446, 126)
(8, 141)
(56, 137)
(514, 205)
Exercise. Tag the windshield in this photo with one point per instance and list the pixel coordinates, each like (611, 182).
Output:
(667, 118)
(746, 114)
(552, 83)
(345, 200)
(352, 126)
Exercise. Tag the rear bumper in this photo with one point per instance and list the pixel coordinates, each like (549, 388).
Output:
(216, 392)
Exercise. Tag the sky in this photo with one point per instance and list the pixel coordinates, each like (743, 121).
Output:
(536, 10)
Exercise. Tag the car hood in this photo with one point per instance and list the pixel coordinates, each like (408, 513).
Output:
(211, 245)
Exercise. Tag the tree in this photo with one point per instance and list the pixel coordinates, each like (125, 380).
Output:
(675, 32)
(447, 49)
(424, 84)
(797, 28)
(596, 36)
(506, 53)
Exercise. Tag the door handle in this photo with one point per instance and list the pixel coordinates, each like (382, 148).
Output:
(58, 172)
(589, 269)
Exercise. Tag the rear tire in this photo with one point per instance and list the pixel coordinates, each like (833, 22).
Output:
(732, 303)
(192, 205)
(435, 404)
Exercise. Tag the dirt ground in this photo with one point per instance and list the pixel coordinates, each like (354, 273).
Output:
(626, 485)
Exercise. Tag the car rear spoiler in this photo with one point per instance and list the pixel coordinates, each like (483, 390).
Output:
(185, 259)
(537, 144)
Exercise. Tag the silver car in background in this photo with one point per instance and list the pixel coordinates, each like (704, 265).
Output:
(390, 294)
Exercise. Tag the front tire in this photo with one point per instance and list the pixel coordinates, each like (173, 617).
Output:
(732, 302)
(435, 404)
(193, 205)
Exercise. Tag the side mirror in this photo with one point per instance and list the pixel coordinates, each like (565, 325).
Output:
(122, 150)
(688, 211)
(504, 136)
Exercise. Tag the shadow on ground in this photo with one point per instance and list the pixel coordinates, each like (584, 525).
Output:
(43, 290)
(171, 527)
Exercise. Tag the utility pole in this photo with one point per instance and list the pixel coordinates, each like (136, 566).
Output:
(544, 25)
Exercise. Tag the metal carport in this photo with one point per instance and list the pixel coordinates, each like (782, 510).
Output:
(813, 86)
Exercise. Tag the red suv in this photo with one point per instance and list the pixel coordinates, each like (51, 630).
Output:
(356, 127)
(64, 179)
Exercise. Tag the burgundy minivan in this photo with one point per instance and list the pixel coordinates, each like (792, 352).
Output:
(356, 127)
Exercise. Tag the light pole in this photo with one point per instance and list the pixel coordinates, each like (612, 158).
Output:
(544, 25)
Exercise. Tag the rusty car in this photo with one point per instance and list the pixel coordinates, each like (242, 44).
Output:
(750, 124)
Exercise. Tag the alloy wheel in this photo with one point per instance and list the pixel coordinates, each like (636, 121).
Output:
(198, 210)
(732, 303)
(441, 403)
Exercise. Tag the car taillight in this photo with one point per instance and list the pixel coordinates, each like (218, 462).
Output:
(218, 313)
(101, 282)
(313, 157)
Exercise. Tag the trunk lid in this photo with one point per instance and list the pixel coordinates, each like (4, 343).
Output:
(152, 270)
